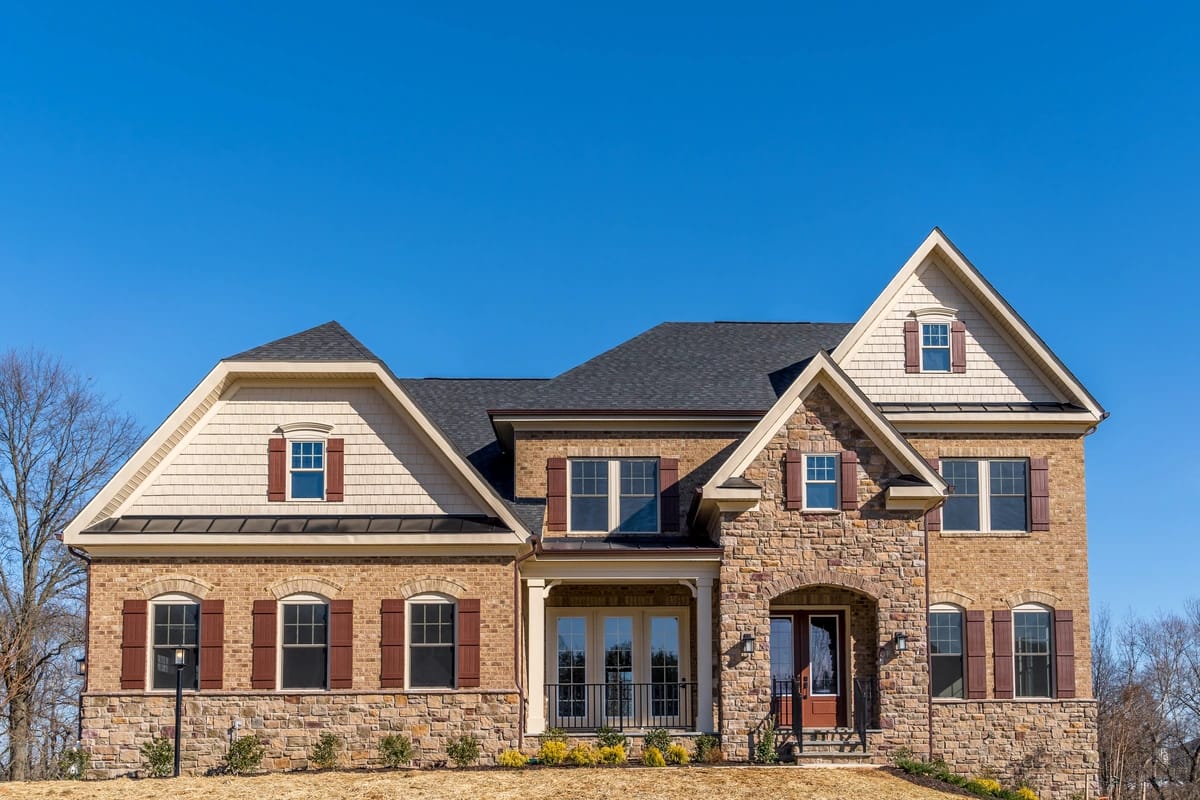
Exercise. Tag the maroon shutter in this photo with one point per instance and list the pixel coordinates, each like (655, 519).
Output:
(933, 517)
(976, 657)
(391, 644)
(341, 644)
(212, 644)
(958, 347)
(1002, 653)
(335, 470)
(1039, 494)
(1064, 653)
(133, 644)
(556, 494)
(794, 480)
(912, 346)
(849, 480)
(468, 643)
(262, 671)
(277, 470)
(668, 481)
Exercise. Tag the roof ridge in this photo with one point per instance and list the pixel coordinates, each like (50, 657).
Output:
(329, 341)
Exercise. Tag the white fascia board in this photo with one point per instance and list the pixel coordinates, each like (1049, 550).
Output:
(823, 371)
(1011, 322)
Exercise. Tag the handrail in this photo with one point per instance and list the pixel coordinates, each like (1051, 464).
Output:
(620, 705)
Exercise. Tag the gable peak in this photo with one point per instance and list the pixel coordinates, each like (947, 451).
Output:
(326, 342)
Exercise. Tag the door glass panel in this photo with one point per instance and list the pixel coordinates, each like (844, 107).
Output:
(783, 660)
(664, 666)
(823, 657)
(572, 667)
(618, 666)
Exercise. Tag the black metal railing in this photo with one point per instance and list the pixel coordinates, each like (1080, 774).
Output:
(864, 708)
(788, 710)
(587, 706)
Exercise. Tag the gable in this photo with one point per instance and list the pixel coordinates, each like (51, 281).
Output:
(996, 371)
(221, 467)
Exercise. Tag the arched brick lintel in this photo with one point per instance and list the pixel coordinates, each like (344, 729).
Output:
(823, 577)
(952, 597)
(304, 584)
(1033, 596)
(176, 584)
(416, 586)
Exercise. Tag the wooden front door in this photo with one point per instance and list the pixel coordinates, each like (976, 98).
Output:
(807, 663)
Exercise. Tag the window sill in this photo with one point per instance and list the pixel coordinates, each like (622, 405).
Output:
(820, 512)
(987, 534)
(953, 701)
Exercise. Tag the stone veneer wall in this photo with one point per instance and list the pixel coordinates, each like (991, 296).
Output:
(1048, 745)
(771, 551)
(116, 725)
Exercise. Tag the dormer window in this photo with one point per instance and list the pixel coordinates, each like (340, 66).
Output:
(306, 464)
(935, 347)
(307, 470)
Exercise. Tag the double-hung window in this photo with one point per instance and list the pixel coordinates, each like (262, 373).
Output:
(946, 651)
(935, 347)
(614, 495)
(307, 470)
(305, 643)
(431, 643)
(821, 482)
(986, 495)
(176, 627)
(1032, 651)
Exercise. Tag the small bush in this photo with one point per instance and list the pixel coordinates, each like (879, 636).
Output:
(552, 752)
(653, 757)
(73, 764)
(325, 753)
(513, 759)
(583, 755)
(553, 735)
(245, 755)
(609, 736)
(613, 754)
(705, 744)
(764, 747)
(395, 750)
(677, 755)
(1025, 793)
(657, 738)
(159, 755)
(463, 751)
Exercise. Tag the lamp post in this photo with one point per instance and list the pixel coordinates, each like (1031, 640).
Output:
(81, 671)
(180, 655)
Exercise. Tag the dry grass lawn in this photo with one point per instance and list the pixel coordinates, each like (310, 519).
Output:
(695, 783)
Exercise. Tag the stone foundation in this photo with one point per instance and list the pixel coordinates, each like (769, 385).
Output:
(1048, 746)
(116, 725)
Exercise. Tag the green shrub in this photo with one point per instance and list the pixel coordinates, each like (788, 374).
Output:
(764, 746)
(245, 755)
(74, 762)
(553, 735)
(1025, 793)
(613, 754)
(608, 736)
(657, 738)
(159, 755)
(463, 751)
(513, 759)
(583, 755)
(653, 757)
(395, 750)
(552, 752)
(677, 755)
(325, 752)
(706, 744)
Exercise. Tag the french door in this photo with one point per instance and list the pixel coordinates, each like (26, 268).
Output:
(807, 650)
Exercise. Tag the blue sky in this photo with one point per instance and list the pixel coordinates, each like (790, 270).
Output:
(509, 189)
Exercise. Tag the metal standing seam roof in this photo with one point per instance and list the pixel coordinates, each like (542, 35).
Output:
(453, 523)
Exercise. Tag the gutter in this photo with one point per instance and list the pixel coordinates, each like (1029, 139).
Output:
(517, 627)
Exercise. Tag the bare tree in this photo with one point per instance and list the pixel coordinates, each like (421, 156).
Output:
(60, 440)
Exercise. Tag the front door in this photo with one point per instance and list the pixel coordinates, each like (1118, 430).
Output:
(806, 663)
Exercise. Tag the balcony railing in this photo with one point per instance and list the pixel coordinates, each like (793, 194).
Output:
(587, 706)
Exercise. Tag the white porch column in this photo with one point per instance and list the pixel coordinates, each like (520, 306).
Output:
(535, 718)
(704, 655)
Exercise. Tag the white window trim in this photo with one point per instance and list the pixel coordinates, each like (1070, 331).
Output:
(921, 323)
(1036, 608)
(308, 437)
(422, 599)
(173, 599)
(614, 496)
(299, 600)
(950, 608)
(837, 483)
(594, 633)
(985, 495)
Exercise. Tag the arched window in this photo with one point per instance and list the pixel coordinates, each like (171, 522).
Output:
(304, 642)
(175, 626)
(431, 640)
(1032, 651)
(946, 651)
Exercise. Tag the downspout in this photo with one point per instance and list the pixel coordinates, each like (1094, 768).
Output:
(928, 649)
(87, 637)
(517, 619)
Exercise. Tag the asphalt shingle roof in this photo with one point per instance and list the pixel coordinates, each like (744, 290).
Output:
(328, 342)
